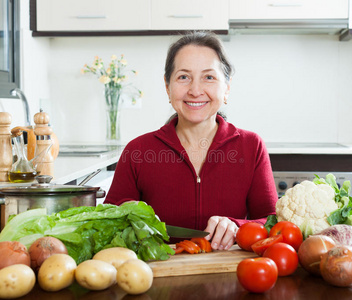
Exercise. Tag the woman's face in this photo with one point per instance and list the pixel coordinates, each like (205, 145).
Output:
(197, 87)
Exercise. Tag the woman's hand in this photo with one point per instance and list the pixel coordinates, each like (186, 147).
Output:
(222, 231)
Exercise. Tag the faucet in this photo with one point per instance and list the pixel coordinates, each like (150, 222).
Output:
(20, 94)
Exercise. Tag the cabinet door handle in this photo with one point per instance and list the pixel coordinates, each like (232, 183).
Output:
(285, 4)
(185, 16)
(90, 17)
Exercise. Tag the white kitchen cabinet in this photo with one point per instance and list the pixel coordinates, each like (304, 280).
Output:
(92, 15)
(288, 9)
(189, 15)
(132, 15)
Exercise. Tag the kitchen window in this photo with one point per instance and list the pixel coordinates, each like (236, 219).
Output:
(9, 47)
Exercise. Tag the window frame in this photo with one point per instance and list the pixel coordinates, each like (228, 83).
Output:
(10, 79)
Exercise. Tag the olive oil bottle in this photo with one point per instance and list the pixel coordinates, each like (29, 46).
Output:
(22, 170)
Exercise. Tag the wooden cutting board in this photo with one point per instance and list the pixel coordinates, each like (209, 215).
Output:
(202, 263)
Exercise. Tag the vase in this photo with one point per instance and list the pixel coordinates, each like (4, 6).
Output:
(113, 128)
(113, 135)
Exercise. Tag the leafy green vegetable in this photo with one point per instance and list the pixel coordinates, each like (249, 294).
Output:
(343, 215)
(86, 230)
(271, 220)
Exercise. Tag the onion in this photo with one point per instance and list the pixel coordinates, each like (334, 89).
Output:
(336, 266)
(340, 233)
(311, 251)
(44, 247)
(12, 253)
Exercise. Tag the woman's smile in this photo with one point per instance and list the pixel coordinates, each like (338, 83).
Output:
(196, 104)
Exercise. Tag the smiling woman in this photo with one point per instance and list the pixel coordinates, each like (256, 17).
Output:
(222, 176)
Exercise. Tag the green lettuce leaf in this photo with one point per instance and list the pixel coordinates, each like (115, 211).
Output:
(342, 197)
(271, 220)
(87, 230)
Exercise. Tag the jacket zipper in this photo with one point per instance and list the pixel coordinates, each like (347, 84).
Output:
(198, 202)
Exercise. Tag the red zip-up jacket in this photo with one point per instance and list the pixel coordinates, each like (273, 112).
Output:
(235, 181)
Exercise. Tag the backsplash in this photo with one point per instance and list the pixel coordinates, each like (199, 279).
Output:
(286, 88)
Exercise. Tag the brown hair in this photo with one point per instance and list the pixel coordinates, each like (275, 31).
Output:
(198, 38)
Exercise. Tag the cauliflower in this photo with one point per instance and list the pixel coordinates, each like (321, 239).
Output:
(307, 205)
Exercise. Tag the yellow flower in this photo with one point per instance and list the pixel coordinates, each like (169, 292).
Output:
(104, 79)
(116, 80)
(99, 66)
(113, 74)
(141, 94)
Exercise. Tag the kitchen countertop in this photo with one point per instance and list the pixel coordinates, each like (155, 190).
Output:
(69, 167)
(308, 148)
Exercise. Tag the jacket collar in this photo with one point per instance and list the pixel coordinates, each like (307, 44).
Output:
(226, 131)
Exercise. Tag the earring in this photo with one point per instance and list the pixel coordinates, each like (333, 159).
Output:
(225, 101)
(169, 101)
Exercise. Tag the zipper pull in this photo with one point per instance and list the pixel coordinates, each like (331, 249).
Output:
(198, 179)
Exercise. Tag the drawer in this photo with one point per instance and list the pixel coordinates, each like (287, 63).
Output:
(288, 9)
(189, 15)
(93, 15)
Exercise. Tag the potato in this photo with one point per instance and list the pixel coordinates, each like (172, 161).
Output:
(95, 274)
(115, 256)
(57, 272)
(16, 281)
(134, 276)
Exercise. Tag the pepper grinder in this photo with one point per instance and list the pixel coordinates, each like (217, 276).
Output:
(43, 159)
(6, 157)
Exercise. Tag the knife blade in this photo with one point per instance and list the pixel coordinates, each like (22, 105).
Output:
(180, 232)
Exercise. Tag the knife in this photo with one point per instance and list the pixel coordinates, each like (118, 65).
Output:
(180, 232)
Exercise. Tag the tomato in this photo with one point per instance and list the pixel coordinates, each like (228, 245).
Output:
(257, 275)
(249, 233)
(188, 246)
(291, 233)
(179, 250)
(203, 244)
(260, 246)
(284, 256)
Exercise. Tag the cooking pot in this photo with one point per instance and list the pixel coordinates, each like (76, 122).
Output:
(53, 197)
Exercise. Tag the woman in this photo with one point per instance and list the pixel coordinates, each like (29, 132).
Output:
(198, 171)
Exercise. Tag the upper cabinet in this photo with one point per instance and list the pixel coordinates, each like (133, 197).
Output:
(149, 17)
(127, 17)
(92, 15)
(189, 14)
(288, 9)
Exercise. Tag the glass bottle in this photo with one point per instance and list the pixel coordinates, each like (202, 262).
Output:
(22, 170)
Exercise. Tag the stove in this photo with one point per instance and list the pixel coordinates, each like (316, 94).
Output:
(286, 180)
(293, 163)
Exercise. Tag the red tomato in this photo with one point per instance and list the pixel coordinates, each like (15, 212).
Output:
(203, 244)
(257, 275)
(291, 233)
(284, 256)
(260, 246)
(249, 233)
